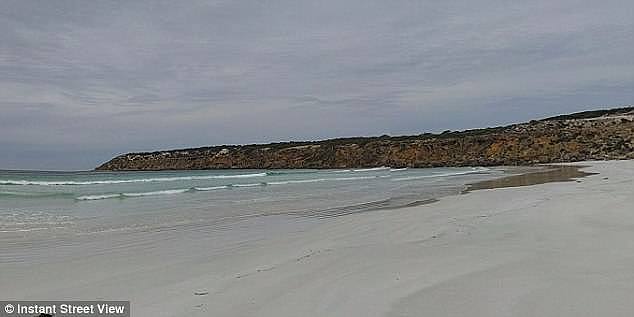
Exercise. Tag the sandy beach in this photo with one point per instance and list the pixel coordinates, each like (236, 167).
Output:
(316, 158)
(555, 249)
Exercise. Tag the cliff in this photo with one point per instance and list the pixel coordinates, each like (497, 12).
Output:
(590, 135)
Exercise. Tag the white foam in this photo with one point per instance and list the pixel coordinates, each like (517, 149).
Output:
(139, 194)
(241, 175)
(353, 178)
(124, 181)
(155, 193)
(23, 230)
(301, 181)
(210, 188)
(98, 197)
(249, 185)
(382, 168)
(180, 191)
(472, 171)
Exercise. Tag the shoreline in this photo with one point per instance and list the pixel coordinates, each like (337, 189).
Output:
(443, 183)
(553, 249)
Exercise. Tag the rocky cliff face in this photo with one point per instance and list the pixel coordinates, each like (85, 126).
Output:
(594, 135)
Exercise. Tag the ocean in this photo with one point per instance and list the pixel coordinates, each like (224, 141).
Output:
(55, 204)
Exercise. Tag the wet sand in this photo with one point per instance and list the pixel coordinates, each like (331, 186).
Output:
(549, 174)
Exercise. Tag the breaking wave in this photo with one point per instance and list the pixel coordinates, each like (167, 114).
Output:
(125, 181)
(204, 189)
(152, 193)
(299, 181)
(158, 192)
(139, 194)
(473, 171)
(195, 189)
(373, 169)
(181, 178)
(287, 182)
(248, 185)
(99, 197)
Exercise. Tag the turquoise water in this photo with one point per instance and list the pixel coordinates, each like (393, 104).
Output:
(37, 202)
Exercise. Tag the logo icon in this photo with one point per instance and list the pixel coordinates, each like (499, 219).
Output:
(9, 308)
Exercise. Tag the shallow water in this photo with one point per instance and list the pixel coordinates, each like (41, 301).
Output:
(549, 174)
(37, 203)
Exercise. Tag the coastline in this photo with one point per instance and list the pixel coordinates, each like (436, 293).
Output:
(583, 136)
(553, 249)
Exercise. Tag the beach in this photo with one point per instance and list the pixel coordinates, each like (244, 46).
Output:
(552, 249)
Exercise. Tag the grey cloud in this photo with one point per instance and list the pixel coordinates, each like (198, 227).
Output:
(115, 76)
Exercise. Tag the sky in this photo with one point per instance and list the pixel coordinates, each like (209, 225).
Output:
(83, 81)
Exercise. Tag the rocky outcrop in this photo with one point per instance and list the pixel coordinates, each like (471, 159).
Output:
(592, 135)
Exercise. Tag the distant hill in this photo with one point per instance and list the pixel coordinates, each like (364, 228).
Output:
(594, 114)
(588, 135)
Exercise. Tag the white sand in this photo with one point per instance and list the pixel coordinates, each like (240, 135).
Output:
(559, 249)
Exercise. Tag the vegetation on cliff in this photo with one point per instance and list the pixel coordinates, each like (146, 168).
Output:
(590, 135)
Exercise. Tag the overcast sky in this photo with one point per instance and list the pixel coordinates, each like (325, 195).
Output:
(82, 81)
